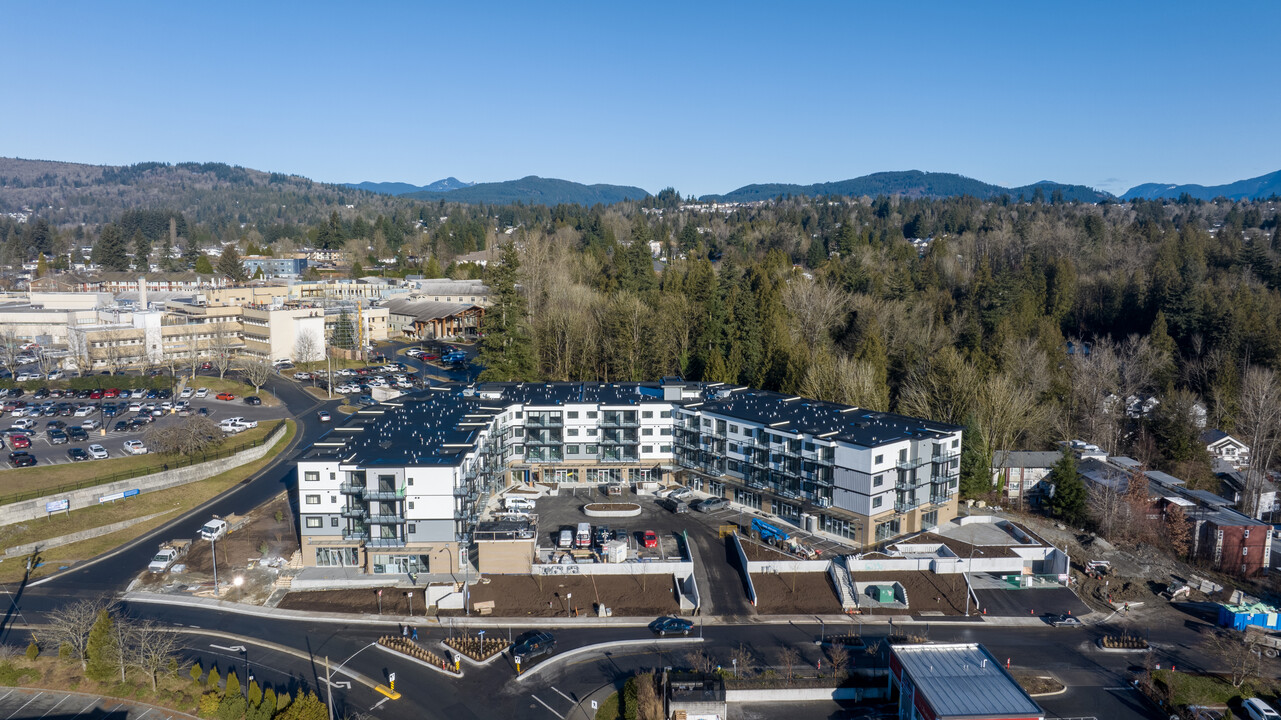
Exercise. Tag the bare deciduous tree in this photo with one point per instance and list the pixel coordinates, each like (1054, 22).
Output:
(70, 624)
(308, 349)
(943, 387)
(816, 308)
(700, 660)
(256, 372)
(744, 660)
(153, 648)
(1259, 422)
(1239, 652)
(789, 657)
(839, 657)
(222, 352)
(845, 380)
(78, 351)
(10, 349)
(193, 435)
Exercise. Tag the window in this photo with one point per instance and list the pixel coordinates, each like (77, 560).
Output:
(955, 443)
(647, 431)
(707, 422)
(519, 414)
(733, 428)
(879, 459)
(590, 449)
(572, 432)
(591, 414)
(411, 504)
(665, 448)
(876, 501)
(518, 432)
(878, 480)
(591, 432)
(412, 528)
(902, 455)
(333, 499)
(311, 476)
(665, 431)
(313, 499)
(665, 413)
(647, 413)
(647, 448)
(333, 522)
(733, 465)
(733, 447)
(571, 449)
(333, 476)
(314, 522)
(573, 414)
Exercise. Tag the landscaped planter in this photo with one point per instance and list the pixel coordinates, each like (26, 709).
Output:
(413, 650)
(612, 509)
(476, 648)
(1123, 643)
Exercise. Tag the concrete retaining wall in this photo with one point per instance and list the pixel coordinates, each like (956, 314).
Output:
(805, 694)
(743, 567)
(88, 497)
(687, 588)
(78, 536)
(629, 568)
(788, 566)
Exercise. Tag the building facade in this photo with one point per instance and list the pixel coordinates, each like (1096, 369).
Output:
(400, 488)
(272, 267)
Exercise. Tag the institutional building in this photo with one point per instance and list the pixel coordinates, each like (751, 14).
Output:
(400, 486)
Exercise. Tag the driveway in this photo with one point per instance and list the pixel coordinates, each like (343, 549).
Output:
(1014, 602)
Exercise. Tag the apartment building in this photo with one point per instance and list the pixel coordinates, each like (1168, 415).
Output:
(276, 333)
(273, 267)
(399, 488)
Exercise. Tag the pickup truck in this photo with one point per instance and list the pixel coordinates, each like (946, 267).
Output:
(168, 554)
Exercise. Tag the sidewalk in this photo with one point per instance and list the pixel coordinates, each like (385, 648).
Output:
(584, 622)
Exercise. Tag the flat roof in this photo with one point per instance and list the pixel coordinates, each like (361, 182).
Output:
(963, 680)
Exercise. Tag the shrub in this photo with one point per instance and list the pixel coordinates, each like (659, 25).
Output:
(232, 707)
(33, 650)
(196, 672)
(66, 653)
(209, 703)
(629, 699)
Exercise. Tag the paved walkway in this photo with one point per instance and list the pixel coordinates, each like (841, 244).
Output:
(21, 703)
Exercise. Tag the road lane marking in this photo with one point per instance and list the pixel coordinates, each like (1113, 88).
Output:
(64, 699)
(15, 712)
(379, 704)
(540, 702)
(563, 695)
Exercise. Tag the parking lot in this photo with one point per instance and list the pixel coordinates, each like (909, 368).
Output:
(21, 703)
(49, 452)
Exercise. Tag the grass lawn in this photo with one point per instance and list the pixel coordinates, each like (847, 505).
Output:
(608, 709)
(26, 480)
(227, 384)
(1187, 689)
(176, 501)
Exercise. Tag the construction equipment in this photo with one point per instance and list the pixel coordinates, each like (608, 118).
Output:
(1263, 642)
(769, 533)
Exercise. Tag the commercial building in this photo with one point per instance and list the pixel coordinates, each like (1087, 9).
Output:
(470, 292)
(428, 319)
(956, 681)
(273, 267)
(400, 487)
(275, 333)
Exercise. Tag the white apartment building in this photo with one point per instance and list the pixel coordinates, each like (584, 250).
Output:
(399, 487)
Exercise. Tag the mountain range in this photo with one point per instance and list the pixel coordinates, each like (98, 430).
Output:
(534, 190)
(400, 188)
(911, 183)
(1259, 187)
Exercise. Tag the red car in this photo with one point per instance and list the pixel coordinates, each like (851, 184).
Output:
(649, 539)
(112, 393)
(95, 395)
(206, 366)
(20, 442)
(225, 396)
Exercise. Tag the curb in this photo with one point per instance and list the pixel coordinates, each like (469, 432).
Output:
(475, 663)
(555, 659)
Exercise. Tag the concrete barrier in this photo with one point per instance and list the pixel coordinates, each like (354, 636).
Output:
(743, 567)
(598, 510)
(788, 566)
(805, 694)
(75, 537)
(88, 497)
(628, 568)
(687, 589)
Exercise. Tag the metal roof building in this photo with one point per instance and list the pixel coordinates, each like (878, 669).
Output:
(956, 681)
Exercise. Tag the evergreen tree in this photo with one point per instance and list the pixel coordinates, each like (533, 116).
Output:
(42, 266)
(305, 707)
(506, 348)
(101, 651)
(233, 683)
(141, 251)
(214, 680)
(111, 252)
(191, 254)
(344, 332)
(40, 237)
(432, 269)
(203, 266)
(255, 694)
(976, 466)
(229, 263)
(1069, 501)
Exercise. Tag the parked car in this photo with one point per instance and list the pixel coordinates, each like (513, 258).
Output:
(324, 416)
(674, 505)
(77, 433)
(89, 424)
(202, 392)
(670, 626)
(1256, 709)
(122, 426)
(649, 539)
(710, 504)
(19, 442)
(253, 400)
(186, 393)
(565, 538)
(77, 454)
(202, 411)
(532, 644)
(57, 437)
(1063, 620)
(135, 447)
(98, 452)
(22, 459)
(243, 421)
(225, 396)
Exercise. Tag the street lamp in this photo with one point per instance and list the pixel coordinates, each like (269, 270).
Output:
(329, 676)
(213, 550)
(967, 582)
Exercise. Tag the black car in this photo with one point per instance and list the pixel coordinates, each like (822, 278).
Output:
(77, 454)
(77, 433)
(202, 411)
(57, 437)
(22, 459)
(122, 426)
(670, 626)
(40, 394)
(16, 392)
(165, 394)
(532, 644)
(55, 425)
(674, 505)
(253, 400)
(1063, 620)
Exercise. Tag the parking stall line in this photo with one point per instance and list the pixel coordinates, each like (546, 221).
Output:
(92, 704)
(55, 705)
(28, 702)
(2, 697)
(558, 692)
(549, 707)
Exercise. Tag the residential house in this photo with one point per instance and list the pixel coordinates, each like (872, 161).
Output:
(1226, 448)
(1023, 474)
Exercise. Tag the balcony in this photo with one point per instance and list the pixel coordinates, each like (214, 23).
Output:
(386, 519)
(611, 420)
(354, 511)
(945, 457)
(907, 506)
(543, 421)
(384, 542)
(384, 494)
(351, 489)
(355, 534)
(911, 464)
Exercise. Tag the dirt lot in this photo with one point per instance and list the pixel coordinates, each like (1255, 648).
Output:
(926, 592)
(517, 596)
(237, 548)
(795, 593)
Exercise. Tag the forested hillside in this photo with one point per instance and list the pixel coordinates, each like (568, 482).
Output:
(914, 183)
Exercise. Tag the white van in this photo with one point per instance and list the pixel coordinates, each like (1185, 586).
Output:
(583, 538)
(518, 504)
(214, 529)
(1259, 710)
(566, 538)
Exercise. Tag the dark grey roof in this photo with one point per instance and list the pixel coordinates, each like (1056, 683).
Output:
(1212, 435)
(1029, 459)
(963, 680)
(424, 310)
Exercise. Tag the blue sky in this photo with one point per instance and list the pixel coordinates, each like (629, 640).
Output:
(704, 97)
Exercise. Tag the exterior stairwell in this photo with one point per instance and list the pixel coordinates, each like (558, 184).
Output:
(844, 583)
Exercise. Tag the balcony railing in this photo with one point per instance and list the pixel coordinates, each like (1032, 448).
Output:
(386, 519)
(907, 506)
(945, 457)
(354, 511)
(384, 542)
(355, 534)
(376, 494)
(911, 464)
(351, 489)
